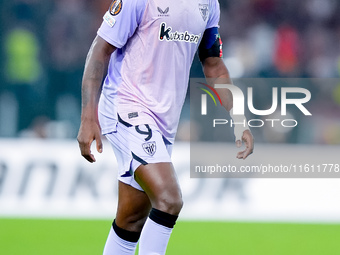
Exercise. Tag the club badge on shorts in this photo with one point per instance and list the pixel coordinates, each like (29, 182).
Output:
(115, 7)
(149, 148)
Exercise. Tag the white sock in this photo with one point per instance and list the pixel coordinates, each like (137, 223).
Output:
(118, 246)
(155, 236)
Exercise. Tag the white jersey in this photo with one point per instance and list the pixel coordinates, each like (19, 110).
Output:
(148, 74)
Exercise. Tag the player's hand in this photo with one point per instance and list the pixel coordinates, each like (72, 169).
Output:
(88, 132)
(248, 140)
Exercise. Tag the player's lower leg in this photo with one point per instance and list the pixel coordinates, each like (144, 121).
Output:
(160, 183)
(121, 241)
(156, 232)
(133, 209)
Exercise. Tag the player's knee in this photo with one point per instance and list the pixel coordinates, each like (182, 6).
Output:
(135, 222)
(132, 221)
(171, 204)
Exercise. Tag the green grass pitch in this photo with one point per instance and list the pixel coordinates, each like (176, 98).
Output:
(73, 237)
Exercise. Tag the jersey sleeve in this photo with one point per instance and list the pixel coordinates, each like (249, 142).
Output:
(214, 14)
(121, 20)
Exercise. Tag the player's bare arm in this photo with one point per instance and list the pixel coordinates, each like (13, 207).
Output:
(216, 71)
(95, 69)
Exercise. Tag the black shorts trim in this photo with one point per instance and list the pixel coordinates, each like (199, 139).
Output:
(123, 122)
(135, 157)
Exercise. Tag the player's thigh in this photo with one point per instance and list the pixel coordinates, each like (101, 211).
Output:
(133, 208)
(160, 183)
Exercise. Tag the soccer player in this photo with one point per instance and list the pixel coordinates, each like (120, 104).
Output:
(145, 48)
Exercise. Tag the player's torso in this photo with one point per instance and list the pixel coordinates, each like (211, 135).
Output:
(153, 67)
(168, 35)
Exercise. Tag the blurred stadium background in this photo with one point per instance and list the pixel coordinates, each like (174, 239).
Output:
(53, 202)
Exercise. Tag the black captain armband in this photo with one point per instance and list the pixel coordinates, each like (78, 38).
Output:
(211, 45)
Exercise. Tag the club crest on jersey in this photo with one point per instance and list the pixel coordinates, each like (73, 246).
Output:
(115, 7)
(166, 34)
(204, 10)
(149, 148)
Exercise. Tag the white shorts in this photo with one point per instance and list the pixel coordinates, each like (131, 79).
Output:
(135, 146)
